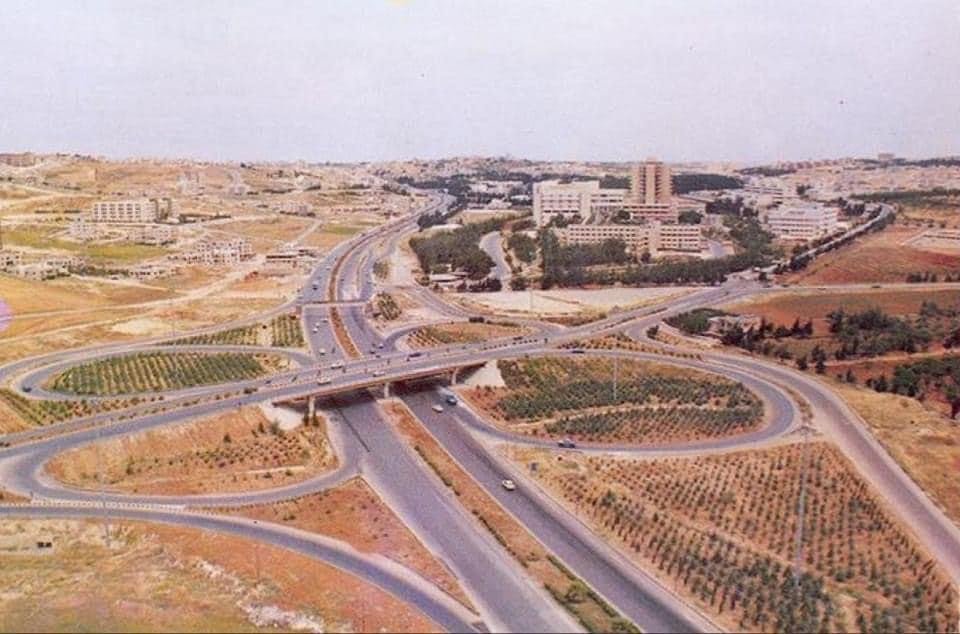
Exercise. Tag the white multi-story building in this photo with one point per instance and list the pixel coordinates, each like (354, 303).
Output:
(578, 201)
(652, 237)
(134, 211)
(802, 222)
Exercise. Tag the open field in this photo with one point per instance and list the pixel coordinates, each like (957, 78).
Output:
(462, 332)
(267, 232)
(593, 613)
(235, 451)
(569, 302)
(560, 397)
(784, 308)
(41, 334)
(162, 578)
(876, 257)
(353, 512)
(933, 212)
(160, 371)
(918, 436)
(283, 331)
(41, 237)
(722, 530)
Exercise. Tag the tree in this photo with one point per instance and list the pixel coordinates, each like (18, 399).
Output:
(690, 217)
(802, 362)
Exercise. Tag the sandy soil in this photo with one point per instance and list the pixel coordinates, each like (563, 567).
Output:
(354, 513)
(568, 302)
(160, 578)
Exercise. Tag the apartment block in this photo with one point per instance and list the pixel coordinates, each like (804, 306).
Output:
(134, 211)
(802, 222)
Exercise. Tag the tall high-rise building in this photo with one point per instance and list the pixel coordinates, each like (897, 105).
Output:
(651, 193)
(650, 183)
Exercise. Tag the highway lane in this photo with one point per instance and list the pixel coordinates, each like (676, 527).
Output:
(490, 243)
(624, 586)
(399, 581)
(507, 598)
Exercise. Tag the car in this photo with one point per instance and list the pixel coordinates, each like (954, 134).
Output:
(322, 351)
(451, 399)
(378, 373)
(336, 366)
(578, 351)
(27, 388)
(380, 345)
(508, 484)
(438, 408)
(324, 381)
(567, 443)
(249, 389)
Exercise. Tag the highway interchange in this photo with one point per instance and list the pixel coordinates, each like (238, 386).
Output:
(506, 598)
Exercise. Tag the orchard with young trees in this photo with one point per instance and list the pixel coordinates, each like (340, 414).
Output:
(723, 531)
(591, 401)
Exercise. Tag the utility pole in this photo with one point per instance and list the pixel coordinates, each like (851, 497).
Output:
(801, 506)
(616, 372)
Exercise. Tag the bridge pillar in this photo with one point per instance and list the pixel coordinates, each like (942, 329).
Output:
(386, 390)
(454, 375)
(311, 408)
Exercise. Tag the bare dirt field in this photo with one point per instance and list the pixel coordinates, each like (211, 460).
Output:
(783, 308)
(878, 257)
(569, 302)
(267, 232)
(354, 513)
(722, 531)
(162, 578)
(236, 451)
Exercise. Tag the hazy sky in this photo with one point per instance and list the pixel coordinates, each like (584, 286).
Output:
(375, 79)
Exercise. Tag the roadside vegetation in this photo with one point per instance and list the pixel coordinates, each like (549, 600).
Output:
(386, 307)
(161, 371)
(463, 332)
(580, 399)
(234, 451)
(723, 531)
(283, 331)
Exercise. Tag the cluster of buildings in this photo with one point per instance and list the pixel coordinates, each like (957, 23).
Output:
(39, 267)
(211, 251)
(645, 216)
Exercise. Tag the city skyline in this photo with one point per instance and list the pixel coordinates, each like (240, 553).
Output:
(399, 80)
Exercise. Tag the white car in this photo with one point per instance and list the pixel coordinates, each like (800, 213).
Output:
(438, 408)
(509, 485)
(324, 381)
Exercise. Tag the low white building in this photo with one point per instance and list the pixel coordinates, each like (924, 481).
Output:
(802, 221)
(577, 201)
(212, 252)
(654, 237)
